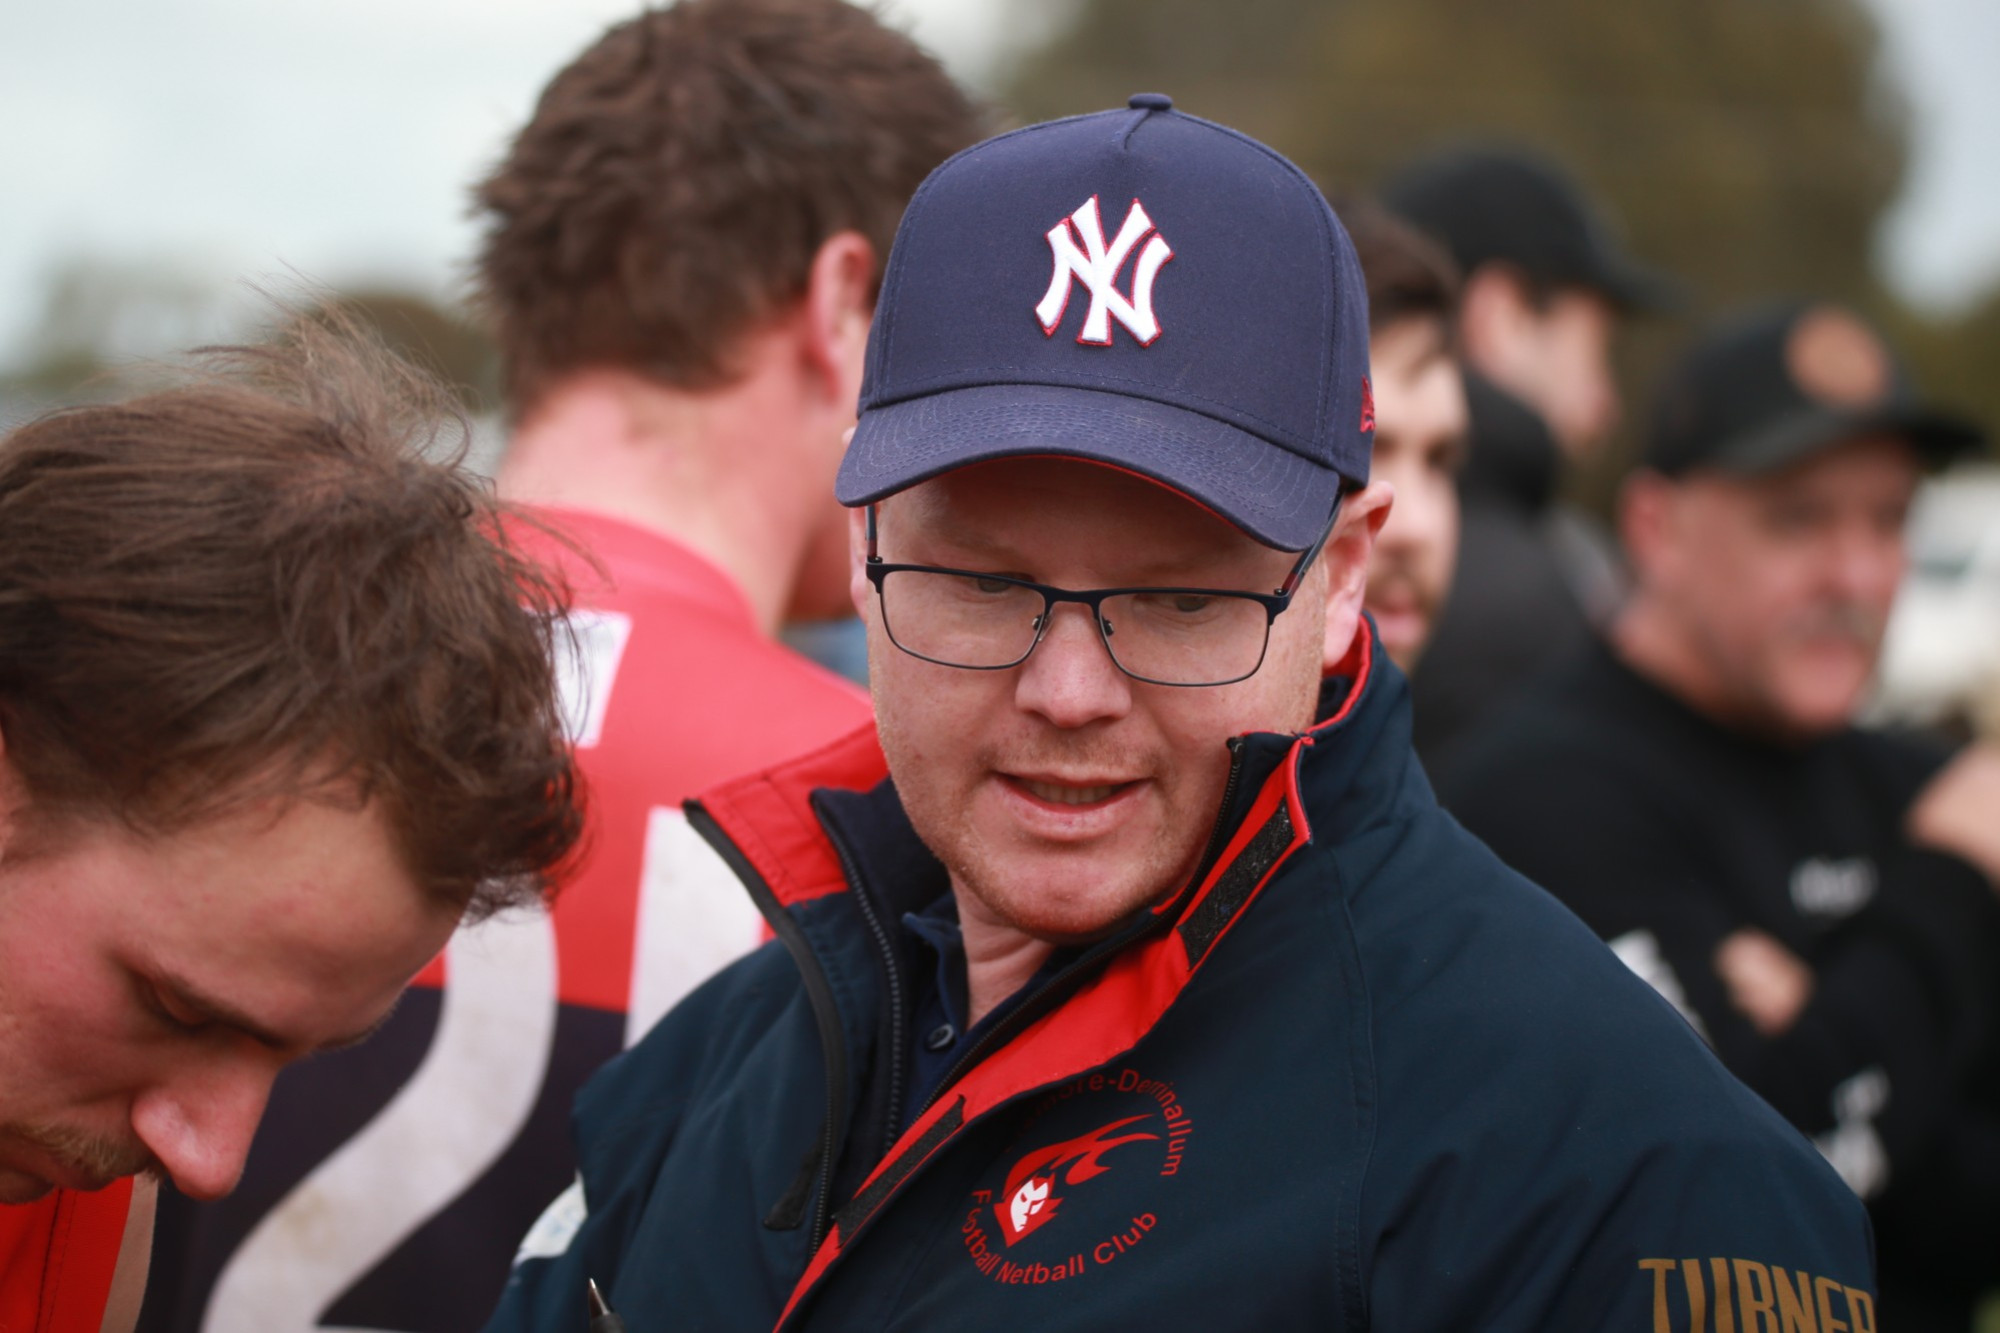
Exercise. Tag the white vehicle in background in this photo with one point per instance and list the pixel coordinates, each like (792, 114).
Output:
(1941, 663)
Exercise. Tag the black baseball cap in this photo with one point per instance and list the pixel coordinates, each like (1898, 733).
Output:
(1140, 288)
(1491, 203)
(1776, 384)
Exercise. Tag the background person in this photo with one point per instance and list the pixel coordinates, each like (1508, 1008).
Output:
(1418, 393)
(1809, 893)
(1544, 288)
(681, 255)
(276, 708)
(1134, 979)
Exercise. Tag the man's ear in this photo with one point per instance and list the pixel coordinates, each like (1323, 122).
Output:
(1493, 309)
(1345, 559)
(839, 302)
(1644, 502)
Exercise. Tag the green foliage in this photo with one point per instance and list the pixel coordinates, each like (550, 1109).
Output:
(1745, 145)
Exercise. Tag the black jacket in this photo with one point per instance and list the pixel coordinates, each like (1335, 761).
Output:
(1667, 833)
(1513, 610)
(1356, 1075)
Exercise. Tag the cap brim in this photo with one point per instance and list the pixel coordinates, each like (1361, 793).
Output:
(1636, 290)
(1271, 493)
(1938, 437)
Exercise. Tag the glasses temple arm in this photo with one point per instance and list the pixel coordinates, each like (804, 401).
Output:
(1311, 554)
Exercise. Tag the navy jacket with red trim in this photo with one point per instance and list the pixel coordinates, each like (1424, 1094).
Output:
(1357, 1075)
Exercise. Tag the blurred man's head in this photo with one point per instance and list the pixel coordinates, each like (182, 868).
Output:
(1420, 424)
(681, 176)
(1544, 283)
(699, 208)
(1765, 527)
(1084, 381)
(276, 710)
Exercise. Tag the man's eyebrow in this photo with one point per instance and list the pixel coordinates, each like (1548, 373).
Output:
(216, 1010)
(973, 545)
(996, 556)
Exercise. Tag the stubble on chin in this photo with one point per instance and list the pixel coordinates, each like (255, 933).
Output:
(1036, 894)
(92, 1157)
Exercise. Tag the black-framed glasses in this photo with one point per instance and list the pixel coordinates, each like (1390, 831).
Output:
(1164, 636)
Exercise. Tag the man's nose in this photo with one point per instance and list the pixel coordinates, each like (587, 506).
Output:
(1070, 678)
(1866, 564)
(199, 1121)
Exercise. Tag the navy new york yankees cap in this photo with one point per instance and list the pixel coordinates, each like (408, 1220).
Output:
(1141, 288)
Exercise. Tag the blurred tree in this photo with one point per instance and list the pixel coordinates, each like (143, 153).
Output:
(440, 340)
(1954, 358)
(102, 322)
(100, 314)
(1745, 145)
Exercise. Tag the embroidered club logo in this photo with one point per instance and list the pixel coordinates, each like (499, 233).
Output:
(1082, 256)
(1029, 1198)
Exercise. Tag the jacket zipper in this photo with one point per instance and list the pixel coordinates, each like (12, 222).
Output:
(818, 992)
(1056, 987)
(1219, 832)
(898, 1051)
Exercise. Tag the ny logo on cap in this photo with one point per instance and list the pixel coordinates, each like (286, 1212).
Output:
(1081, 255)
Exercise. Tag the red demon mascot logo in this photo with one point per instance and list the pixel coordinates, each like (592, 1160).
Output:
(1029, 1198)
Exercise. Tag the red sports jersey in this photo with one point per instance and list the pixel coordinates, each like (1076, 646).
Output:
(57, 1259)
(390, 1184)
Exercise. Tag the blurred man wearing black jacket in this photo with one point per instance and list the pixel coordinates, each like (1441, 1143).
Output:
(1544, 288)
(1817, 899)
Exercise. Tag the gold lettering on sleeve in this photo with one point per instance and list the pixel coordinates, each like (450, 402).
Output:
(1729, 1295)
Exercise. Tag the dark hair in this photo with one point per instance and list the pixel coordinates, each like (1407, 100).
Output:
(255, 584)
(1408, 274)
(679, 176)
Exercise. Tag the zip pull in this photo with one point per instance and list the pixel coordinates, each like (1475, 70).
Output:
(789, 1212)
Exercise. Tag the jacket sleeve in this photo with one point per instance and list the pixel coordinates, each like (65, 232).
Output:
(1680, 1237)
(587, 1233)
(1554, 1149)
(1869, 1064)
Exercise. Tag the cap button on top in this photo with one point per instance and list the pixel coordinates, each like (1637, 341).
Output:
(1150, 102)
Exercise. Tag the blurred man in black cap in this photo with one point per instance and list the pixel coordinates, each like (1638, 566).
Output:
(1817, 899)
(1544, 288)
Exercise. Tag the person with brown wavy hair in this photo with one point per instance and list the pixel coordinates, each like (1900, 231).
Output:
(277, 709)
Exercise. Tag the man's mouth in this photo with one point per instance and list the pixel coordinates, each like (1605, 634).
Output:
(1091, 792)
(1049, 791)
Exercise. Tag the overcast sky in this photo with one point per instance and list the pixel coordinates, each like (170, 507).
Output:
(336, 138)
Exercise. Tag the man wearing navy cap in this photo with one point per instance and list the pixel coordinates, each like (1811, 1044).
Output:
(1806, 890)
(1130, 977)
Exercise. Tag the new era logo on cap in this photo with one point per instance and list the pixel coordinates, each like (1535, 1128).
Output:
(1140, 288)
